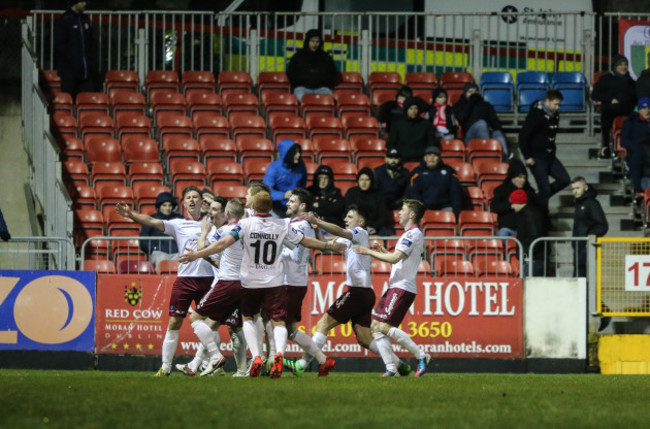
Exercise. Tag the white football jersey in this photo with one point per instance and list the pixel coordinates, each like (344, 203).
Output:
(230, 259)
(358, 266)
(186, 232)
(295, 261)
(404, 273)
(262, 238)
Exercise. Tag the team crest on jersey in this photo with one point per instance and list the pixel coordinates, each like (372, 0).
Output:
(133, 295)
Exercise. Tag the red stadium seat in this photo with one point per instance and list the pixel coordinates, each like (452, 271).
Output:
(343, 171)
(139, 149)
(475, 223)
(380, 96)
(231, 191)
(210, 123)
(362, 125)
(86, 102)
(279, 105)
(84, 196)
(168, 266)
(103, 149)
(456, 268)
(148, 172)
(204, 101)
(421, 80)
(181, 147)
(316, 103)
(380, 267)
(229, 80)
(52, 79)
(352, 102)
(350, 81)
(329, 264)
(287, 127)
(491, 171)
(136, 267)
(255, 169)
(371, 163)
(450, 248)
(186, 170)
(110, 172)
(174, 124)
(192, 79)
(327, 125)
(241, 102)
(145, 193)
(132, 123)
(76, 171)
(121, 80)
(73, 148)
(384, 80)
(476, 195)
(96, 123)
(216, 146)
(221, 171)
(452, 148)
(254, 147)
(117, 225)
(333, 148)
(62, 102)
(464, 172)
(247, 125)
(485, 246)
(272, 82)
(167, 101)
(439, 221)
(488, 190)
(456, 80)
(161, 79)
(364, 147)
(493, 268)
(127, 101)
(63, 123)
(484, 149)
(100, 266)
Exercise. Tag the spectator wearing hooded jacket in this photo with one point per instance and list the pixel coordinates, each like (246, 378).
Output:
(477, 117)
(588, 219)
(411, 134)
(311, 70)
(434, 183)
(635, 138)
(517, 178)
(393, 110)
(392, 179)
(329, 203)
(160, 250)
(73, 50)
(441, 115)
(616, 92)
(366, 196)
(285, 174)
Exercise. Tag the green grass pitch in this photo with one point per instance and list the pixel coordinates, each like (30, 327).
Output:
(96, 399)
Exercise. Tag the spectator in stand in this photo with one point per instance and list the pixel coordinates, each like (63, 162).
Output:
(617, 94)
(392, 179)
(160, 250)
(393, 110)
(635, 138)
(530, 226)
(329, 203)
(411, 134)
(588, 219)
(506, 216)
(441, 115)
(477, 117)
(73, 50)
(366, 196)
(434, 183)
(4, 231)
(311, 70)
(285, 174)
(643, 82)
(537, 144)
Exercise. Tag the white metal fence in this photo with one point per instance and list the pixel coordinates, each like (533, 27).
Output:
(37, 253)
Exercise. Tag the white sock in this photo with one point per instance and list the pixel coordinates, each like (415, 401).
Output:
(270, 339)
(373, 348)
(319, 341)
(259, 323)
(280, 336)
(169, 349)
(403, 339)
(250, 332)
(206, 335)
(198, 358)
(305, 341)
(385, 351)
(238, 347)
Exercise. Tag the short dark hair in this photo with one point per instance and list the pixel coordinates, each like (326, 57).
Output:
(405, 91)
(190, 189)
(304, 196)
(235, 208)
(361, 211)
(416, 207)
(553, 94)
(221, 200)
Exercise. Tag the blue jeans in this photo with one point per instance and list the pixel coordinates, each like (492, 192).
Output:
(480, 130)
(301, 90)
(543, 168)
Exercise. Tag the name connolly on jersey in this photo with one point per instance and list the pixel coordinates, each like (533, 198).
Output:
(264, 236)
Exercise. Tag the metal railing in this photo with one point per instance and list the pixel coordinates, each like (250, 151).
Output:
(36, 253)
(554, 256)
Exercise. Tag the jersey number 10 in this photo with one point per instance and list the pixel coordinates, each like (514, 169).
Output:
(268, 251)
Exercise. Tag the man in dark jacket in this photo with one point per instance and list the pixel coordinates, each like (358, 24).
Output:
(537, 144)
(635, 138)
(285, 174)
(392, 179)
(411, 134)
(393, 110)
(311, 70)
(329, 203)
(506, 216)
(531, 225)
(160, 250)
(588, 219)
(434, 183)
(617, 93)
(73, 48)
(477, 117)
(367, 197)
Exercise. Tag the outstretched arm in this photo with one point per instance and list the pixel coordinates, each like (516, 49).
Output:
(312, 243)
(216, 247)
(123, 209)
(392, 257)
(329, 227)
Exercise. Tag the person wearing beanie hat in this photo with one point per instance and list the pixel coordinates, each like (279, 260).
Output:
(616, 92)
(160, 250)
(73, 49)
(518, 197)
(517, 179)
(531, 225)
(440, 114)
(477, 117)
(392, 179)
(635, 138)
(311, 70)
(371, 201)
(411, 133)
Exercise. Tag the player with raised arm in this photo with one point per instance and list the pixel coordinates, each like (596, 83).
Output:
(261, 274)
(295, 262)
(357, 301)
(193, 280)
(402, 288)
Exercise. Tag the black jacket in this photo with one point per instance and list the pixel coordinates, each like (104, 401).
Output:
(372, 202)
(390, 112)
(531, 225)
(469, 110)
(73, 46)
(436, 187)
(537, 135)
(411, 136)
(167, 246)
(312, 69)
(393, 188)
(506, 216)
(328, 202)
(589, 218)
(643, 84)
(620, 87)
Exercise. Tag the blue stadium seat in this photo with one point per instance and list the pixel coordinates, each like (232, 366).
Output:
(498, 89)
(572, 85)
(531, 86)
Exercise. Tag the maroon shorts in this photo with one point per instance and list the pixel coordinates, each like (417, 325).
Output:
(295, 295)
(221, 301)
(354, 305)
(273, 300)
(184, 291)
(234, 320)
(392, 306)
